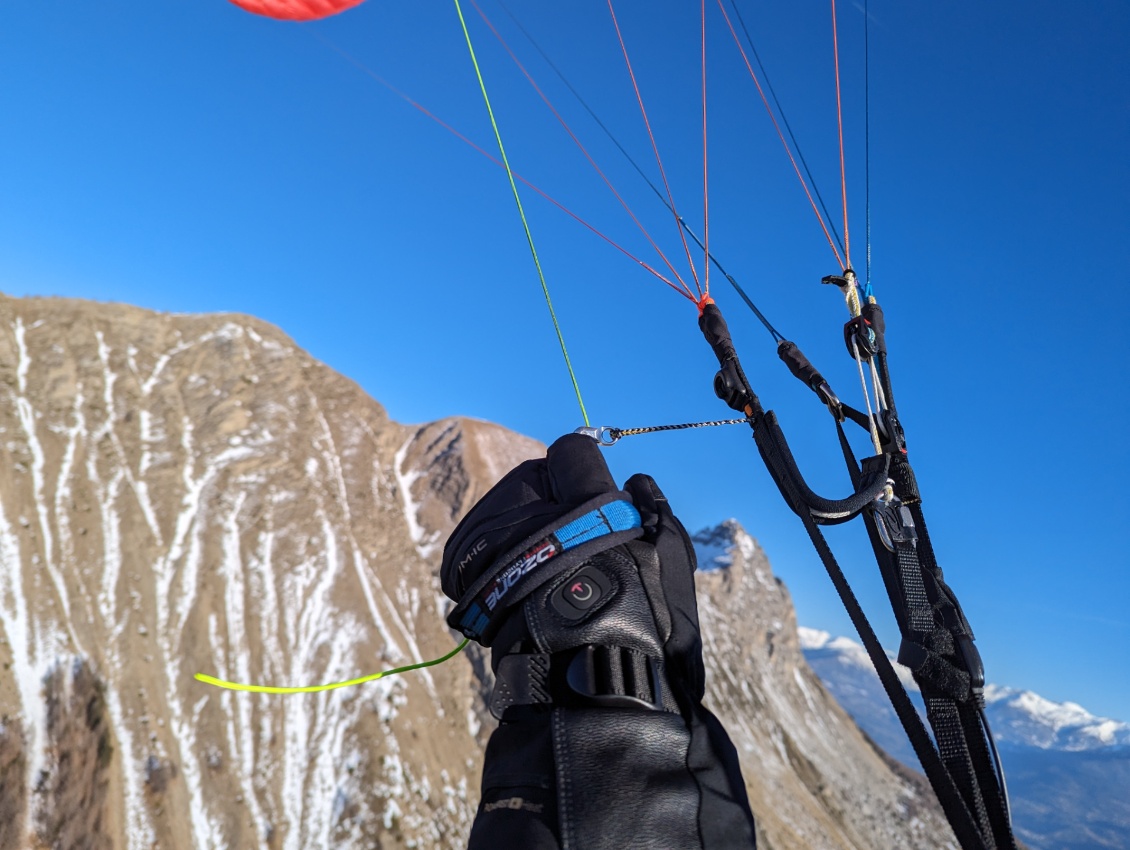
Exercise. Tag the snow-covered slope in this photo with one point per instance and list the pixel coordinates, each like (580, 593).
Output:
(1023, 718)
(183, 494)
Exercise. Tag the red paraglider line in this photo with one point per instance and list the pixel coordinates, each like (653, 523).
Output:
(407, 99)
(579, 145)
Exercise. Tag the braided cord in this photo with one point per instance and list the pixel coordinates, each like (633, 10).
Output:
(617, 433)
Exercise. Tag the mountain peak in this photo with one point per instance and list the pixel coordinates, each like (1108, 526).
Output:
(1024, 717)
(715, 546)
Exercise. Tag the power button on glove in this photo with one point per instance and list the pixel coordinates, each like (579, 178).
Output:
(580, 593)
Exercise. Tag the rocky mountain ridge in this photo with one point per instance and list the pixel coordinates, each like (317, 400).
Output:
(184, 494)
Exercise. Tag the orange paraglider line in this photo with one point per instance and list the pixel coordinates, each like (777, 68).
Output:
(840, 125)
(654, 146)
(705, 174)
(579, 145)
(781, 135)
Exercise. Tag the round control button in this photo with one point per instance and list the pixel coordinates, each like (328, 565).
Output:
(581, 593)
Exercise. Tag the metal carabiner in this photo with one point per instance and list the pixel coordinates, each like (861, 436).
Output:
(603, 435)
(893, 520)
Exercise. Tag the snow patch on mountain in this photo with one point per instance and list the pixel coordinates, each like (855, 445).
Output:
(716, 546)
(1026, 718)
(1017, 717)
(844, 651)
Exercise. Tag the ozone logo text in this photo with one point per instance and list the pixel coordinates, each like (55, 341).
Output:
(536, 556)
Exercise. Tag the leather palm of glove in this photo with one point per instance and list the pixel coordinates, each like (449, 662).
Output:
(586, 595)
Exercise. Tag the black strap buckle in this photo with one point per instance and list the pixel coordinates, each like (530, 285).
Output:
(614, 676)
(591, 675)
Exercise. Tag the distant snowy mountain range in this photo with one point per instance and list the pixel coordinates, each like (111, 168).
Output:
(1020, 718)
(1068, 770)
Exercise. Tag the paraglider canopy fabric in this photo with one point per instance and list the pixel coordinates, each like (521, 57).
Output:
(296, 10)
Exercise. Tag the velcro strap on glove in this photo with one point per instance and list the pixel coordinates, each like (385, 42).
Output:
(600, 523)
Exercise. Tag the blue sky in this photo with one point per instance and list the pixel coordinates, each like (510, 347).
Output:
(187, 156)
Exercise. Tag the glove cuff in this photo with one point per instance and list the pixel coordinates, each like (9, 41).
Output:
(599, 524)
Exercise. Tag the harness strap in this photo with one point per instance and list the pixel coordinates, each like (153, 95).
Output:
(937, 645)
(937, 641)
(945, 785)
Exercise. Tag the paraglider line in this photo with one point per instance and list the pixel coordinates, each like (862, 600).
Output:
(777, 337)
(313, 689)
(477, 148)
(784, 120)
(521, 213)
(584, 103)
(840, 127)
(867, 292)
(654, 146)
(781, 136)
(705, 172)
(580, 146)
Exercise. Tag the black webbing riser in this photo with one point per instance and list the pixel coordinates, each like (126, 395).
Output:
(920, 599)
(912, 604)
(952, 801)
(944, 715)
(991, 785)
(967, 753)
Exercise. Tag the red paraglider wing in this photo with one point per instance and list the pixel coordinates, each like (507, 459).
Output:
(296, 10)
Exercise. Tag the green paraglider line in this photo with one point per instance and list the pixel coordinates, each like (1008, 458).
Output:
(313, 689)
(521, 213)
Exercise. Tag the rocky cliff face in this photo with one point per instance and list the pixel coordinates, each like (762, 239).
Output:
(814, 779)
(184, 494)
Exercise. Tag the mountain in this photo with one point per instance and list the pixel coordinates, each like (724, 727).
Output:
(1025, 719)
(183, 494)
(814, 779)
(1068, 771)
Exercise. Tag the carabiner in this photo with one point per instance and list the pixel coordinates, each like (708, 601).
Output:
(603, 435)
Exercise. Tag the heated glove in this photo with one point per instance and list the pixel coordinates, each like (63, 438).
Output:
(585, 594)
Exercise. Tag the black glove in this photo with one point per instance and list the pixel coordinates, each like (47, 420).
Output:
(586, 594)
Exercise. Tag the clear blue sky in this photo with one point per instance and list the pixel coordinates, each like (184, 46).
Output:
(187, 156)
